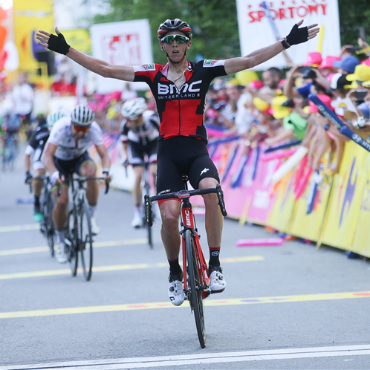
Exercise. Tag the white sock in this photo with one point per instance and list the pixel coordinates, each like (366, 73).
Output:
(92, 210)
(60, 234)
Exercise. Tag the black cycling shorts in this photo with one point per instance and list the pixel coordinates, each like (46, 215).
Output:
(136, 152)
(73, 165)
(182, 155)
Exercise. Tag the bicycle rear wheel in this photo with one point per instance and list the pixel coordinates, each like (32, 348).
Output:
(85, 241)
(195, 285)
(71, 242)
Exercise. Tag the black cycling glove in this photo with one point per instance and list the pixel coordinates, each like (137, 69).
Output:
(297, 35)
(58, 44)
(28, 178)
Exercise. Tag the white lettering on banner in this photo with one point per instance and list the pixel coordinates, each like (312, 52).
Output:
(122, 49)
(289, 12)
(187, 218)
(261, 199)
(255, 30)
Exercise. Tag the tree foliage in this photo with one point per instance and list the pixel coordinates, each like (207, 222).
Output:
(353, 14)
(215, 23)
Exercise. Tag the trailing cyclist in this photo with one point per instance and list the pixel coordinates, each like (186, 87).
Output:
(139, 134)
(35, 147)
(180, 89)
(66, 152)
(10, 125)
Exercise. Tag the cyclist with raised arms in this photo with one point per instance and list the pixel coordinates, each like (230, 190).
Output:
(180, 89)
(35, 147)
(139, 135)
(66, 152)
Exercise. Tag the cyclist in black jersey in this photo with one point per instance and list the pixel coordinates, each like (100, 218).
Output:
(35, 147)
(179, 88)
(139, 134)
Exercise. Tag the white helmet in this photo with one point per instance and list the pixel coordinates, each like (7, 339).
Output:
(133, 108)
(53, 117)
(82, 115)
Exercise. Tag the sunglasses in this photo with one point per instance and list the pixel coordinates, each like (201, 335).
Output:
(179, 39)
(81, 128)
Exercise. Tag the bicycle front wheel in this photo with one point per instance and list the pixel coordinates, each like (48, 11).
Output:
(47, 211)
(194, 283)
(71, 242)
(85, 241)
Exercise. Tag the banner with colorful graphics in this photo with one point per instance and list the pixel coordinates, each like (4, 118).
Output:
(257, 30)
(282, 209)
(361, 244)
(263, 197)
(121, 43)
(342, 214)
(310, 207)
(31, 16)
(79, 38)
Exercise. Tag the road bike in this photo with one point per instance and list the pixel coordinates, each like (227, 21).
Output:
(79, 237)
(196, 274)
(145, 186)
(47, 204)
(10, 151)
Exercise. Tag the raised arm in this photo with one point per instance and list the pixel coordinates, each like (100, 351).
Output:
(296, 36)
(59, 45)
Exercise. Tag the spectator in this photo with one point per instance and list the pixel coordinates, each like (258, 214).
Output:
(23, 99)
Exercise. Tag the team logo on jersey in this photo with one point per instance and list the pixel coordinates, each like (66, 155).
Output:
(209, 62)
(149, 67)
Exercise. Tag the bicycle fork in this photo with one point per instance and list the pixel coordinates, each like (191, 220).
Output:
(188, 223)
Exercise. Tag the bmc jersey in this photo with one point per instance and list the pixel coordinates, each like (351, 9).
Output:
(181, 112)
(143, 134)
(37, 142)
(61, 135)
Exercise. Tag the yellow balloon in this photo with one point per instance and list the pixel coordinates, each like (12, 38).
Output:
(246, 77)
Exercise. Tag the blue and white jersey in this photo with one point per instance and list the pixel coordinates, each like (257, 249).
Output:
(68, 149)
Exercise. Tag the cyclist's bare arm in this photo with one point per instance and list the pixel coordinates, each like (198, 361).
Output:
(27, 162)
(102, 151)
(95, 65)
(257, 57)
(47, 157)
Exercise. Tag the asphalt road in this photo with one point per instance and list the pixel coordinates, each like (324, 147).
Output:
(285, 307)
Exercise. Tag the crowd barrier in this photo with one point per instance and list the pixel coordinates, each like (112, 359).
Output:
(336, 213)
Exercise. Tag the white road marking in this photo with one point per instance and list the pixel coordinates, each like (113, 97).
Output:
(197, 359)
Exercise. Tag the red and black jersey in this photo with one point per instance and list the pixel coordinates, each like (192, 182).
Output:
(181, 112)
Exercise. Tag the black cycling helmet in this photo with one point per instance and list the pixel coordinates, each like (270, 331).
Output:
(174, 25)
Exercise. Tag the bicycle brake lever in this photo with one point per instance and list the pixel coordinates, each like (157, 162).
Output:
(106, 187)
(148, 210)
(221, 202)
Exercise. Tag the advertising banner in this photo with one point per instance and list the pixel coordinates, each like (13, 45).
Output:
(120, 43)
(282, 210)
(262, 197)
(79, 38)
(345, 199)
(361, 244)
(256, 30)
(29, 17)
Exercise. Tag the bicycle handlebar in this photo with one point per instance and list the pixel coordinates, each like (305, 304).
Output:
(82, 179)
(181, 195)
